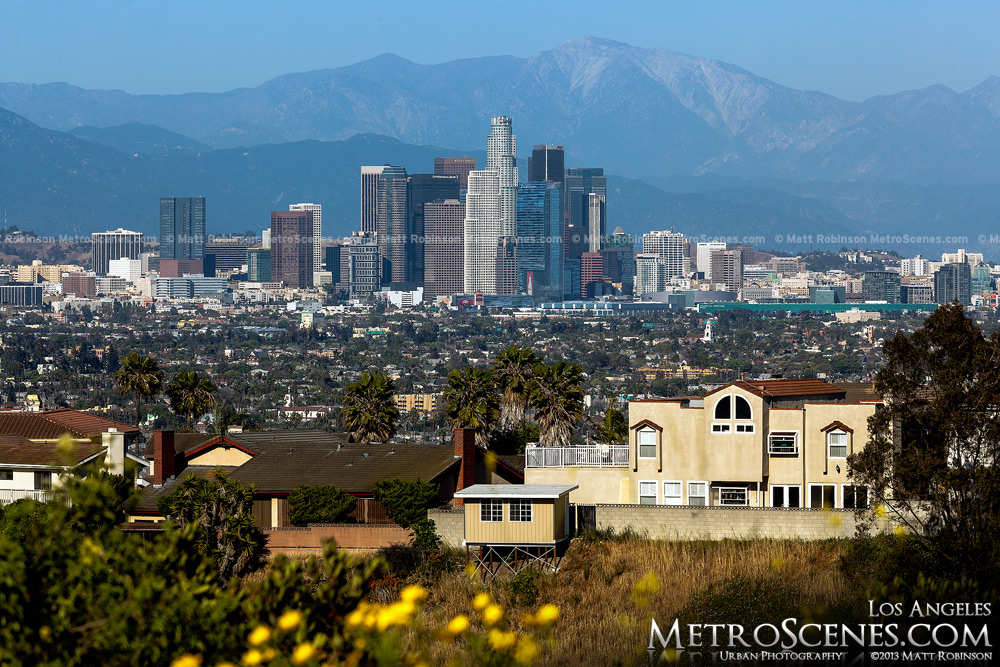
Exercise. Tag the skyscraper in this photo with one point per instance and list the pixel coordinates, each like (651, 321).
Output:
(597, 226)
(539, 236)
(292, 248)
(547, 164)
(953, 282)
(424, 189)
(501, 157)
(391, 227)
(317, 211)
(881, 286)
(108, 246)
(482, 230)
(669, 247)
(619, 260)
(369, 193)
(444, 247)
(703, 257)
(580, 183)
(182, 228)
(455, 166)
(727, 269)
(364, 265)
(259, 265)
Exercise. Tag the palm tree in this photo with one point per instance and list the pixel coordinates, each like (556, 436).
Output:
(140, 375)
(514, 369)
(190, 394)
(557, 397)
(614, 429)
(370, 411)
(471, 401)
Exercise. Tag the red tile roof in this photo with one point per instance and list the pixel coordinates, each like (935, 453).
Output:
(52, 424)
(785, 387)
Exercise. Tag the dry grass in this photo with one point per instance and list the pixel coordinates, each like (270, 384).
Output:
(605, 622)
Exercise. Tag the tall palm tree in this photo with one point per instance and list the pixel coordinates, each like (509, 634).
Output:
(557, 397)
(514, 369)
(190, 394)
(141, 375)
(370, 411)
(471, 401)
(613, 430)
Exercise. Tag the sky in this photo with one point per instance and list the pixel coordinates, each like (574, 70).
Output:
(850, 49)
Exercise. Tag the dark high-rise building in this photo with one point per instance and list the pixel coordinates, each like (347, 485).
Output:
(881, 286)
(425, 188)
(591, 273)
(547, 164)
(230, 254)
(259, 265)
(619, 260)
(444, 243)
(727, 268)
(539, 240)
(580, 183)
(182, 228)
(953, 282)
(370, 176)
(292, 248)
(391, 228)
(455, 166)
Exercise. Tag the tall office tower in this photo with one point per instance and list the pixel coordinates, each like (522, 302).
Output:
(501, 157)
(727, 268)
(369, 197)
(182, 228)
(881, 286)
(455, 166)
(391, 229)
(317, 211)
(953, 282)
(106, 246)
(229, 254)
(703, 257)
(982, 280)
(670, 247)
(482, 230)
(364, 265)
(619, 261)
(591, 274)
(547, 164)
(506, 267)
(649, 274)
(597, 224)
(444, 246)
(292, 248)
(539, 240)
(916, 266)
(259, 265)
(425, 188)
(265, 239)
(580, 183)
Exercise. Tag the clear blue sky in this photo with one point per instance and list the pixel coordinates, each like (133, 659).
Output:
(851, 49)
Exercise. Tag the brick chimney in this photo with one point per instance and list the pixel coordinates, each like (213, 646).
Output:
(164, 457)
(465, 449)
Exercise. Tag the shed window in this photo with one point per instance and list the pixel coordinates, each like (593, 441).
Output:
(491, 511)
(520, 510)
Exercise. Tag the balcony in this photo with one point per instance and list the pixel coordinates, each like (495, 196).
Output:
(595, 456)
(8, 496)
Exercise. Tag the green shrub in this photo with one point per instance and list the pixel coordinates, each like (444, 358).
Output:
(320, 504)
(406, 503)
(628, 534)
(742, 601)
(524, 587)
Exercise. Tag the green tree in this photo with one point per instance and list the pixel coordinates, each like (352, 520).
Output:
(406, 503)
(557, 397)
(930, 460)
(191, 394)
(514, 369)
(471, 401)
(141, 375)
(370, 411)
(221, 509)
(613, 429)
(320, 504)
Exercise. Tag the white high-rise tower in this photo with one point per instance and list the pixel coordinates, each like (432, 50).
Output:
(317, 211)
(501, 156)
(483, 228)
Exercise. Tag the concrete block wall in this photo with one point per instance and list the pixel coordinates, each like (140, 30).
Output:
(450, 525)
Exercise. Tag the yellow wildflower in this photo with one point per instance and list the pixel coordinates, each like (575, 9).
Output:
(778, 563)
(259, 635)
(880, 511)
(303, 653)
(547, 614)
(187, 660)
(493, 614)
(45, 633)
(414, 594)
(481, 601)
(458, 625)
(252, 657)
(226, 664)
(398, 613)
(502, 641)
(527, 651)
(290, 620)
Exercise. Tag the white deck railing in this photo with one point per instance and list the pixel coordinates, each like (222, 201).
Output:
(8, 496)
(595, 456)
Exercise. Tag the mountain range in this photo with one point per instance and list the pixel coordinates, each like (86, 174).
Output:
(696, 144)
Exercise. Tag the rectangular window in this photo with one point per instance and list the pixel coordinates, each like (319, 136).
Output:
(672, 493)
(647, 493)
(647, 444)
(491, 511)
(6, 475)
(720, 428)
(782, 442)
(855, 497)
(733, 496)
(698, 493)
(838, 445)
(744, 428)
(43, 480)
(786, 495)
(822, 496)
(520, 510)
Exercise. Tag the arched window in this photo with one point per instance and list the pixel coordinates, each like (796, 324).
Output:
(743, 408)
(723, 409)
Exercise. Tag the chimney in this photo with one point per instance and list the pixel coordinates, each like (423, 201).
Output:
(465, 449)
(164, 456)
(114, 442)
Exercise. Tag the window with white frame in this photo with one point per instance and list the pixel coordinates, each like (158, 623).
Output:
(733, 408)
(822, 496)
(855, 497)
(783, 442)
(647, 443)
(724, 408)
(733, 495)
(744, 428)
(698, 493)
(672, 493)
(837, 441)
(491, 511)
(647, 493)
(743, 410)
(520, 511)
(786, 495)
(721, 428)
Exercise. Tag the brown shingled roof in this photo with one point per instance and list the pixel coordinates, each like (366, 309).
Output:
(52, 424)
(784, 387)
(18, 450)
